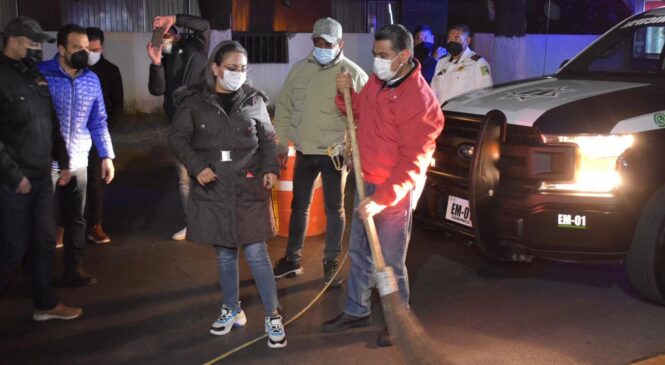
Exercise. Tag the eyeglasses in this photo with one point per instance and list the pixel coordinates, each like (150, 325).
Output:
(234, 68)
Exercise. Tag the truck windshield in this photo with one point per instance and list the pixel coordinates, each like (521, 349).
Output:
(636, 46)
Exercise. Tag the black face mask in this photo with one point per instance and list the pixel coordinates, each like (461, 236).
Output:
(79, 60)
(423, 50)
(454, 48)
(427, 46)
(32, 57)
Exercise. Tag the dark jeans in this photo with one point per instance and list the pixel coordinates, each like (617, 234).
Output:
(307, 168)
(70, 205)
(95, 190)
(27, 227)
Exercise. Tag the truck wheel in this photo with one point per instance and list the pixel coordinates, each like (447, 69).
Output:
(646, 259)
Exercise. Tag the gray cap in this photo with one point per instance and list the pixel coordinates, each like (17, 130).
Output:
(27, 27)
(328, 29)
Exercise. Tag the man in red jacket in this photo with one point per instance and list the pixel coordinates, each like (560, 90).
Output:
(398, 120)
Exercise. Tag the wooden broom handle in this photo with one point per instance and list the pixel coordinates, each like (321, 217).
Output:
(370, 228)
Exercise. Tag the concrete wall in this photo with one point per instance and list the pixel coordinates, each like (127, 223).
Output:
(269, 77)
(128, 52)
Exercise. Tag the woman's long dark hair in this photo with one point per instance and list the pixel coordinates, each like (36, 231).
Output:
(217, 56)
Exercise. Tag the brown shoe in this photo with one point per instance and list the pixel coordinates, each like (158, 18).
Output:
(96, 234)
(59, 237)
(60, 311)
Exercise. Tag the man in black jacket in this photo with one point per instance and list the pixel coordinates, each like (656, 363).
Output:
(111, 81)
(426, 51)
(29, 140)
(179, 61)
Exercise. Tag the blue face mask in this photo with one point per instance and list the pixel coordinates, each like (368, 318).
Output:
(325, 55)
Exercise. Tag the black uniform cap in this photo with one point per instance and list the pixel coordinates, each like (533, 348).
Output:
(27, 27)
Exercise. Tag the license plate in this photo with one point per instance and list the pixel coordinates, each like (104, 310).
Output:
(458, 211)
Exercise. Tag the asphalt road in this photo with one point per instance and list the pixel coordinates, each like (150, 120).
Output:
(156, 298)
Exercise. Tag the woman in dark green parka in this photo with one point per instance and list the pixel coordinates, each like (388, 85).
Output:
(222, 133)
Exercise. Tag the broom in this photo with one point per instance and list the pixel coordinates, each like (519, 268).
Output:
(411, 341)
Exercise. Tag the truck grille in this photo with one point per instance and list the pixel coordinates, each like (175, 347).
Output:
(459, 129)
(525, 159)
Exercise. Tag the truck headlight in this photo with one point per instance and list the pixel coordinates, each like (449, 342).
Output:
(596, 167)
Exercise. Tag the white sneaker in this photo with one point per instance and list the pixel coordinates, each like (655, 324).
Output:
(180, 235)
(275, 330)
(228, 319)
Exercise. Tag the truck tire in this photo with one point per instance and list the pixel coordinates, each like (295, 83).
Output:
(645, 262)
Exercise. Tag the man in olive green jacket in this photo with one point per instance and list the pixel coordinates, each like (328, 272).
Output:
(307, 116)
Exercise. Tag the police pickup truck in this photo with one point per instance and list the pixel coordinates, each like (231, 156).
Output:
(565, 167)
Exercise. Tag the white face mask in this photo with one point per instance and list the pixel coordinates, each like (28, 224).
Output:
(382, 68)
(93, 58)
(232, 81)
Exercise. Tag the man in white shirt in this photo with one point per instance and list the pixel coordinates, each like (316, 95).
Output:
(462, 70)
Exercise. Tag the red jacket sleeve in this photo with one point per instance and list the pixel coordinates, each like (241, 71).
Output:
(419, 126)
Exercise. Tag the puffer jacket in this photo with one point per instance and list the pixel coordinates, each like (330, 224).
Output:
(240, 147)
(79, 104)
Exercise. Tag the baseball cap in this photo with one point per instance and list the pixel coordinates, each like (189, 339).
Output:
(27, 27)
(328, 29)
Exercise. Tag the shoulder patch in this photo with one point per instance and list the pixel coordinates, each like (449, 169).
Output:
(476, 57)
(484, 70)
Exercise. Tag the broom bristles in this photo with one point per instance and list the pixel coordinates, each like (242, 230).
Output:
(410, 339)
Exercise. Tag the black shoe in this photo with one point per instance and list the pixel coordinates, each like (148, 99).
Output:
(329, 268)
(385, 339)
(288, 269)
(77, 277)
(344, 322)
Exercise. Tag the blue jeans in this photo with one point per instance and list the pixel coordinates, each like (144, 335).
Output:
(393, 226)
(307, 168)
(259, 263)
(27, 226)
(69, 211)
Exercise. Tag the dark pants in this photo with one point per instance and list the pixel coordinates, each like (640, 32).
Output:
(27, 229)
(70, 205)
(95, 190)
(307, 168)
